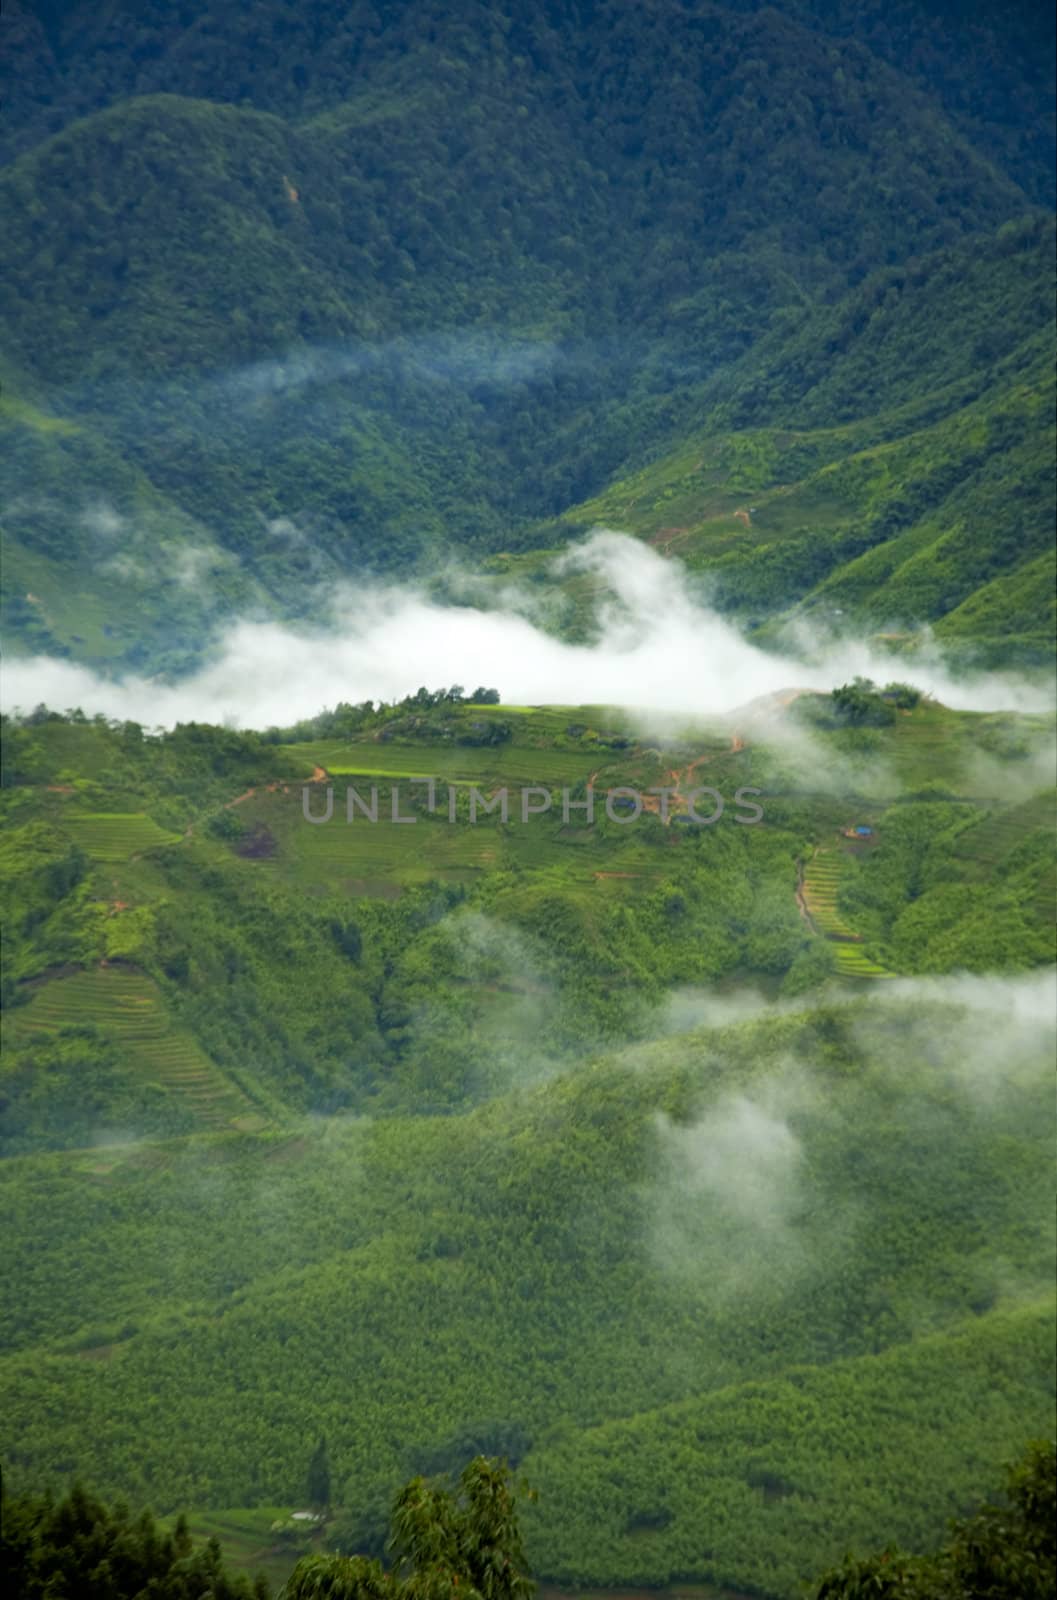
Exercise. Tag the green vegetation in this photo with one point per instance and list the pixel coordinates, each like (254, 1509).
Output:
(522, 1225)
(470, 1537)
(287, 309)
(1002, 1549)
(81, 1547)
(888, 468)
(440, 1541)
(354, 1127)
(569, 1273)
(165, 893)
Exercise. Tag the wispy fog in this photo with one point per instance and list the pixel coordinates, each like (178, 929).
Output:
(732, 1200)
(657, 645)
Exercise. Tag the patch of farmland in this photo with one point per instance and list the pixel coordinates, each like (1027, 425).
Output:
(819, 895)
(995, 836)
(116, 836)
(127, 1006)
(509, 764)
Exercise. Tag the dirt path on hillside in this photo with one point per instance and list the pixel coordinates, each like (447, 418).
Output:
(318, 775)
(678, 782)
(800, 901)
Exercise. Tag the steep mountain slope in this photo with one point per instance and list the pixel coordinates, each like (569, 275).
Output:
(414, 283)
(905, 474)
(984, 69)
(383, 967)
(442, 1138)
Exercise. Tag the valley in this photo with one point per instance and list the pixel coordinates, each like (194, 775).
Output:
(588, 1134)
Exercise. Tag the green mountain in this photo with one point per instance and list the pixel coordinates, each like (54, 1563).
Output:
(580, 1195)
(360, 1083)
(410, 290)
(891, 463)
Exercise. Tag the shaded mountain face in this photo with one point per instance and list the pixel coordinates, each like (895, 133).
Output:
(353, 289)
(985, 66)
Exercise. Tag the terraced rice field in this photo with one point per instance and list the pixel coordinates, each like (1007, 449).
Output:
(510, 764)
(853, 962)
(385, 851)
(961, 749)
(368, 858)
(127, 1006)
(821, 876)
(991, 839)
(116, 836)
(819, 892)
(986, 845)
(250, 1545)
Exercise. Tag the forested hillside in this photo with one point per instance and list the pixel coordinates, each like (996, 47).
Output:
(889, 464)
(690, 1257)
(636, 1071)
(468, 1530)
(335, 293)
(384, 966)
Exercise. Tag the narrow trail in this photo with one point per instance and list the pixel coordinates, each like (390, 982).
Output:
(318, 775)
(800, 901)
(679, 782)
(679, 800)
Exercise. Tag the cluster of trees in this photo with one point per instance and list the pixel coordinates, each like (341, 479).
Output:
(77, 1548)
(861, 704)
(465, 1543)
(572, 1261)
(425, 346)
(409, 714)
(444, 1545)
(1003, 1550)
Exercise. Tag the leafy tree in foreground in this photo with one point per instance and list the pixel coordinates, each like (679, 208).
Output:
(465, 1545)
(1001, 1551)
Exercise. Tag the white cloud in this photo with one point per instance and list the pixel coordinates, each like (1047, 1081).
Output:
(658, 646)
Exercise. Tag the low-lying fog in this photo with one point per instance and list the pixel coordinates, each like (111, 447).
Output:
(657, 645)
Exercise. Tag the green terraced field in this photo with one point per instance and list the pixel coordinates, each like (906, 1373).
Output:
(116, 836)
(821, 876)
(371, 858)
(248, 1541)
(467, 763)
(988, 843)
(126, 1005)
(990, 840)
(853, 962)
(821, 879)
(387, 851)
(964, 750)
